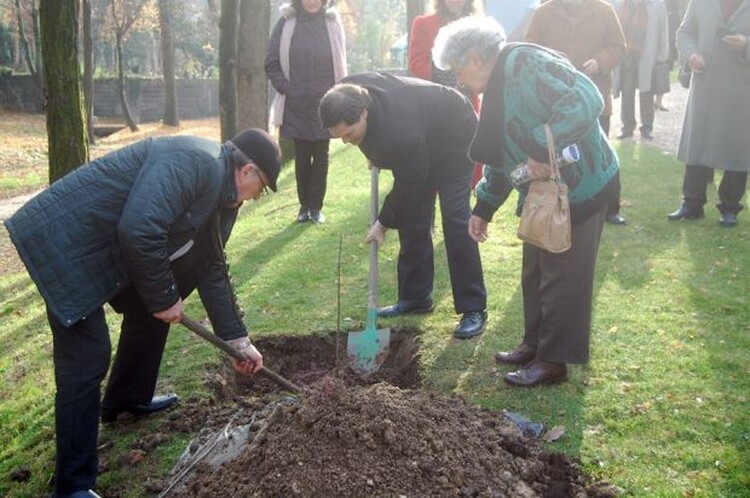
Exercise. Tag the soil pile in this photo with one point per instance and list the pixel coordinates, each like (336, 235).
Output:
(380, 440)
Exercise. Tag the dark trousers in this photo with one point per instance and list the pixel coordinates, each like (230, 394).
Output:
(451, 181)
(311, 171)
(731, 189)
(557, 293)
(81, 358)
(629, 84)
(614, 206)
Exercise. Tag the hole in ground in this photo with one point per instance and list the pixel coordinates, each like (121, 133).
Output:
(305, 360)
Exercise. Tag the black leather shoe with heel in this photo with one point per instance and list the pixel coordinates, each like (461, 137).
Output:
(157, 404)
(685, 213)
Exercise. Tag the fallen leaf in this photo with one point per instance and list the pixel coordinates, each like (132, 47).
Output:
(554, 434)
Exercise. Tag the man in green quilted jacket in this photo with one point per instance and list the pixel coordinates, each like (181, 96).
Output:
(140, 228)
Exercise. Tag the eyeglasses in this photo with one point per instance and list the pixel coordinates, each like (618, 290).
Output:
(264, 190)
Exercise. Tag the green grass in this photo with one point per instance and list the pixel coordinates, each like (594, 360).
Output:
(661, 410)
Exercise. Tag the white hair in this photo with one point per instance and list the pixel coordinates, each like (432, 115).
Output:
(455, 40)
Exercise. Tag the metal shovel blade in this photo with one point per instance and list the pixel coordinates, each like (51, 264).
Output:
(367, 350)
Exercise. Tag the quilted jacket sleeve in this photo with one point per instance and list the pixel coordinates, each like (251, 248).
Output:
(163, 192)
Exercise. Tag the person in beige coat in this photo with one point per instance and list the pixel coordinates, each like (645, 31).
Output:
(714, 40)
(646, 29)
(589, 34)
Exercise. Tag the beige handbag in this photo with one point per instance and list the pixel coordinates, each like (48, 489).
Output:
(545, 220)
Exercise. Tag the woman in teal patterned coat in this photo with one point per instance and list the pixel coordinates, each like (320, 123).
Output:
(524, 87)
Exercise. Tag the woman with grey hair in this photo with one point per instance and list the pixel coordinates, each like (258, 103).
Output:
(525, 87)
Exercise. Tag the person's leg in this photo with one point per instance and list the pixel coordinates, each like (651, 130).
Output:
(303, 153)
(132, 380)
(565, 289)
(604, 121)
(694, 185)
(318, 179)
(416, 266)
(81, 358)
(646, 109)
(731, 190)
(464, 260)
(628, 85)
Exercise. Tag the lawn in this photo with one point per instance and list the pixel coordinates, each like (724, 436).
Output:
(661, 410)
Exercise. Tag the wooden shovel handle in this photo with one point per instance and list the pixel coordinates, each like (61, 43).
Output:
(234, 353)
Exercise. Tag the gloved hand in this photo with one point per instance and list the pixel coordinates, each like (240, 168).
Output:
(254, 361)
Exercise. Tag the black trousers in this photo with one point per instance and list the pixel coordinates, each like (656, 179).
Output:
(614, 206)
(81, 359)
(731, 189)
(311, 171)
(629, 84)
(557, 293)
(451, 180)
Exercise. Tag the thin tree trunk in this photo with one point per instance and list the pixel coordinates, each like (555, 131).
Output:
(252, 84)
(88, 69)
(121, 85)
(228, 68)
(414, 8)
(25, 48)
(66, 127)
(168, 63)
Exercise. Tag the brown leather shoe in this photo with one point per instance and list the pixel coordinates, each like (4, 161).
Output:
(522, 355)
(539, 372)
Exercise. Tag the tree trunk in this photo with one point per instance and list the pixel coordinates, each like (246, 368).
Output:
(66, 127)
(252, 84)
(414, 8)
(88, 69)
(228, 68)
(25, 48)
(121, 84)
(168, 63)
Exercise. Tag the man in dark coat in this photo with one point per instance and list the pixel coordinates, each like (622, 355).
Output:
(139, 228)
(420, 131)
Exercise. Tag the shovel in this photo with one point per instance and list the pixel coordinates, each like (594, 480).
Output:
(234, 353)
(367, 350)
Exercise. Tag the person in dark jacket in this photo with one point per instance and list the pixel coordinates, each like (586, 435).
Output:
(421, 132)
(306, 55)
(140, 229)
(526, 87)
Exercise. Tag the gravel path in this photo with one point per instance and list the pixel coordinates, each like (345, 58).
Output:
(667, 125)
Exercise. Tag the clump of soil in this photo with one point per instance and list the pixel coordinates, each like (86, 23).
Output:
(381, 440)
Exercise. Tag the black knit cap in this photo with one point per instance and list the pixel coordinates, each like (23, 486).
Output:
(261, 149)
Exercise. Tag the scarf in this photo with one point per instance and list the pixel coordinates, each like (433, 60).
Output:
(336, 39)
(634, 20)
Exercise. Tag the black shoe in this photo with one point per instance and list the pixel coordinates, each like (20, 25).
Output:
(685, 213)
(316, 216)
(522, 355)
(728, 219)
(78, 494)
(624, 135)
(471, 325)
(157, 404)
(403, 307)
(303, 215)
(616, 219)
(540, 372)
(647, 135)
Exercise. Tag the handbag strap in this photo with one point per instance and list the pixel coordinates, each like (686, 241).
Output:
(555, 176)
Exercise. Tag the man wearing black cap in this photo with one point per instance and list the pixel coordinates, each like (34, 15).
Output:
(138, 228)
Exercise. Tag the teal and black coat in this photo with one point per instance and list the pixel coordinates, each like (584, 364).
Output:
(155, 214)
(531, 86)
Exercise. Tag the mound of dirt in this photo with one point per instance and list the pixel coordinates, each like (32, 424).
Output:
(380, 440)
